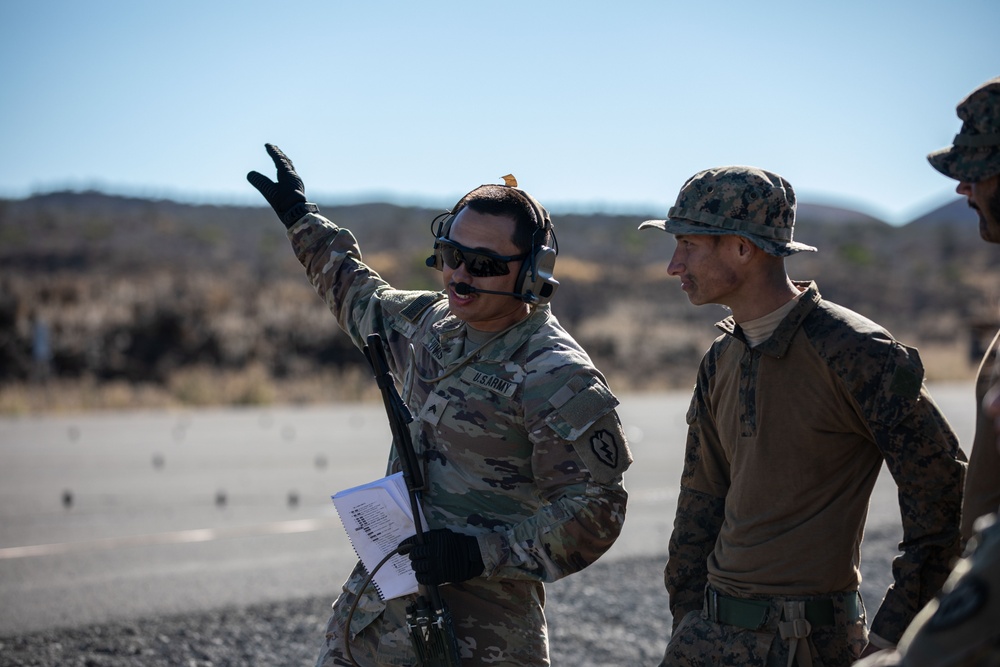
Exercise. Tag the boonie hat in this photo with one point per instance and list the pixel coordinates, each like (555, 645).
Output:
(746, 201)
(975, 152)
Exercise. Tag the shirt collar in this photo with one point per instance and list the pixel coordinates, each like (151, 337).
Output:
(777, 345)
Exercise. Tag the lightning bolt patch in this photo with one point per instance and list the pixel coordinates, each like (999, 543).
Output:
(605, 447)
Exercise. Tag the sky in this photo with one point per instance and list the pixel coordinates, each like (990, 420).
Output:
(593, 106)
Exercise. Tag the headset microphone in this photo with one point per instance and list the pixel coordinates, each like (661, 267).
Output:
(463, 289)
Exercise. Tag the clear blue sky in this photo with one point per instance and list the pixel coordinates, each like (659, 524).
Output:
(592, 105)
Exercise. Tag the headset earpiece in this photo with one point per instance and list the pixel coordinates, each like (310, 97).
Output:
(535, 283)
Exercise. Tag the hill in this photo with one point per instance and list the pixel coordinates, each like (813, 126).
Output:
(956, 212)
(151, 301)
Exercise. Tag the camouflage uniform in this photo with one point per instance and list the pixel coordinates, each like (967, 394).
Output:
(982, 485)
(975, 153)
(973, 157)
(785, 444)
(785, 441)
(961, 628)
(521, 447)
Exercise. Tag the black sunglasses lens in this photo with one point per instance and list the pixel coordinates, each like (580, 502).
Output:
(451, 256)
(478, 265)
(484, 266)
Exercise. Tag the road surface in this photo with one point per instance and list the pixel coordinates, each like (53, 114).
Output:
(111, 516)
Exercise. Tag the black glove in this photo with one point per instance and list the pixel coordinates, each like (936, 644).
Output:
(288, 196)
(443, 557)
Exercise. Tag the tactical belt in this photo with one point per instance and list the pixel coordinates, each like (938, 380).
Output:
(753, 614)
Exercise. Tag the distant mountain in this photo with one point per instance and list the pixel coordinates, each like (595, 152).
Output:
(89, 204)
(954, 212)
(823, 214)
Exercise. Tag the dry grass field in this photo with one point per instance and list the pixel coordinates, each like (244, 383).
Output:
(154, 304)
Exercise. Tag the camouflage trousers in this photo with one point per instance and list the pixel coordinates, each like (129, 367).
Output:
(491, 628)
(699, 641)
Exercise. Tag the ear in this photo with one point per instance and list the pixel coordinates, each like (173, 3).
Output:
(745, 249)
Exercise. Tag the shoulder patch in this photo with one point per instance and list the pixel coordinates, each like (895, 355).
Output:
(901, 385)
(417, 306)
(604, 449)
(577, 407)
(584, 414)
(906, 382)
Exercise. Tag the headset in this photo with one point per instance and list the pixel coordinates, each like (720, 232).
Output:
(535, 284)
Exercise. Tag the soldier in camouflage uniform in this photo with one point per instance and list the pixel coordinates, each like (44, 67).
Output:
(522, 449)
(796, 406)
(974, 161)
(962, 627)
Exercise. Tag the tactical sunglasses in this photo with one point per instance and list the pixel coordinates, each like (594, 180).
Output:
(479, 263)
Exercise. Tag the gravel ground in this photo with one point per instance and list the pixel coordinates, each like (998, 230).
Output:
(612, 613)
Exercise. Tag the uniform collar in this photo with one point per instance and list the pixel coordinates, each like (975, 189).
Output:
(450, 334)
(777, 345)
(503, 347)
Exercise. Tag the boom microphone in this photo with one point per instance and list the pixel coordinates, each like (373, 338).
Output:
(463, 289)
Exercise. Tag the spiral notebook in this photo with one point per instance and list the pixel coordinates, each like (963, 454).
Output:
(377, 518)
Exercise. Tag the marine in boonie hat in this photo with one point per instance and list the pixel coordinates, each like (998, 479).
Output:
(975, 152)
(750, 202)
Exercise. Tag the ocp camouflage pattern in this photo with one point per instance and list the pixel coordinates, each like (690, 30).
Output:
(520, 443)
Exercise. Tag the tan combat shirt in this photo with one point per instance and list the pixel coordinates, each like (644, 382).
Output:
(784, 445)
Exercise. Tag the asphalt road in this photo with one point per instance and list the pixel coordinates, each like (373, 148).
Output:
(111, 516)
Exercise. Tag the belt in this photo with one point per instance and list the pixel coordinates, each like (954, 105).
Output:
(753, 614)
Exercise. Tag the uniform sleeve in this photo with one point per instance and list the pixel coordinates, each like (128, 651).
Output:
(700, 508)
(578, 463)
(924, 458)
(359, 298)
(332, 261)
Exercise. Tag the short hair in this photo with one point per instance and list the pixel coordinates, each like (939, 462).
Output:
(529, 231)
